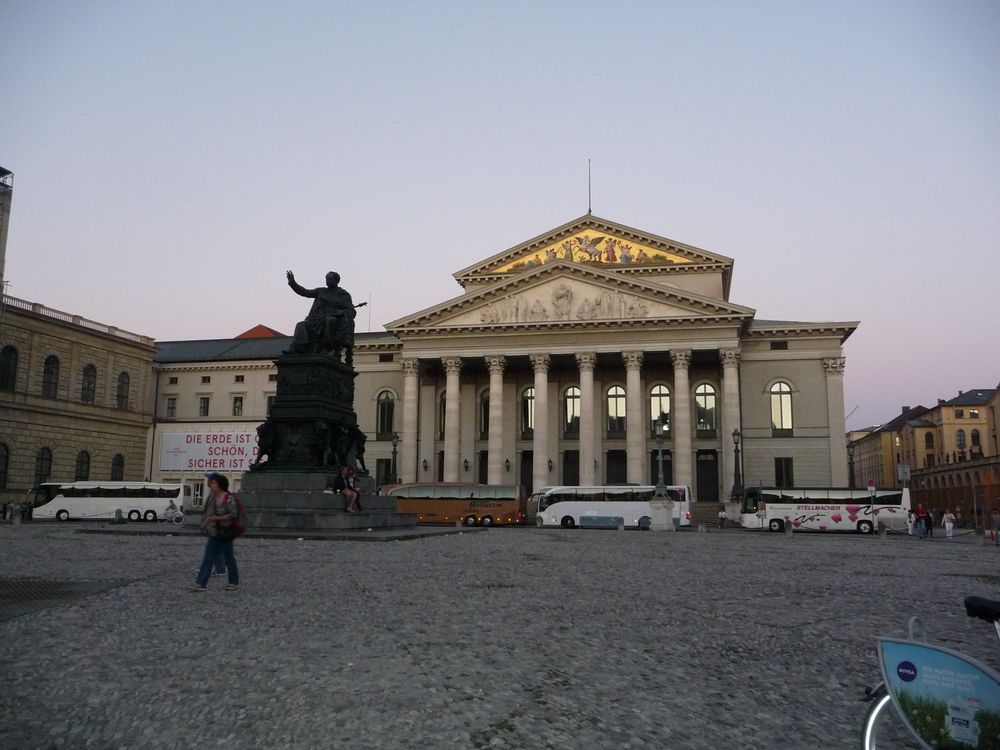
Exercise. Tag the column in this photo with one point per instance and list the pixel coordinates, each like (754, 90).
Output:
(834, 368)
(540, 444)
(494, 444)
(730, 416)
(635, 420)
(452, 417)
(681, 427)
(408, 439)
(586, 362)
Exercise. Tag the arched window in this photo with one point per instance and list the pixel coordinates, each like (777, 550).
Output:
(781, 409)
(8, 369)
(50, 377)
(484, 415)
(527, 413)
(82, 466)
(4, 460)
(960, 439)
(928, 439)
(975, 437)
(385, 412)
(121, 395)
(43, 466)
(571, 412)
(88, 385)
(118, 468)
(659, 408)
(616, 411)
(704, 404)
(442, 408)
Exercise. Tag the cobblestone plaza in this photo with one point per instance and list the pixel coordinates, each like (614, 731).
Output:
(511, 638)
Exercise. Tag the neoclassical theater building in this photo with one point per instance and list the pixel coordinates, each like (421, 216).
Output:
(554, 366)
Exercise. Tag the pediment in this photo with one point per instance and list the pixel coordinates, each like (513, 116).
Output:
(561, 293)
(594, 243)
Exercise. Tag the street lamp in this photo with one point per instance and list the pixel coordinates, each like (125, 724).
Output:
(850, 465)
(737, 476)
(395, 445)
(661, 487)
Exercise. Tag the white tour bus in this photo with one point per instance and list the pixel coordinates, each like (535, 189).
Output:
(99, 500)
(824, 509)
(565, 506)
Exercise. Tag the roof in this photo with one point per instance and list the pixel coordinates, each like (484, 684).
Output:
(920, 423)
(260, 331)
(975, 397)
(906, 416)
(228, 350)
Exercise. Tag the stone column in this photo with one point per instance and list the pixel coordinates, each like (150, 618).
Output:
(452, 417)
(586, 362)
(540, 444)
(730, 416)
(408, 439)
(635, 420)
(494, 445)
(834, 368)
(681, 419)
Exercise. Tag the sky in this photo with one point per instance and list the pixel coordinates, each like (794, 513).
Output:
(172, 160)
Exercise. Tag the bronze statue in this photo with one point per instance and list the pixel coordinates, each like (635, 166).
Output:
(329, 326)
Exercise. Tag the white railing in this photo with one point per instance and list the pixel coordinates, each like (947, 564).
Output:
(49, 312)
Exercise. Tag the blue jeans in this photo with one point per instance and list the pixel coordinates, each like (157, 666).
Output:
(213, 548)
(220, 563)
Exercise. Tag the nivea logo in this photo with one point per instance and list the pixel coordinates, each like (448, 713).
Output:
(907, 671)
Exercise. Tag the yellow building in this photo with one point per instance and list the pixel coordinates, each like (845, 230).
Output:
(875, 453)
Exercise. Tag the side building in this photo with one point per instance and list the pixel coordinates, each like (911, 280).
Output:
(75, 399)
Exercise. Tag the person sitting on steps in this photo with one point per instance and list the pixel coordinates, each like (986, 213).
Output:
(344, 484)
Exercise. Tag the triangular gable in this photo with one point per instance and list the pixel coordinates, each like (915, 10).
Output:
(564, 292)
(594, 242)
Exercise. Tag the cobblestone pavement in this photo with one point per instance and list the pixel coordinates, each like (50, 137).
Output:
(514, 638)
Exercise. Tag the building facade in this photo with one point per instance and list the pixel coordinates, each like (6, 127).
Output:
(875, 454)
(75, 399)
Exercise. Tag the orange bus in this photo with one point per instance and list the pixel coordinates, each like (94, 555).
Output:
(469, 504)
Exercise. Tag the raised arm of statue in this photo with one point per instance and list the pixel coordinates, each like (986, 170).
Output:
(298, 288)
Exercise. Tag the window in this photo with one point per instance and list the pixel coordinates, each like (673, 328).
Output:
(238, 379)
(616, 411)
(171, 407)
(704, 404)
(781, 409)
(237, 406)
(960, 439)
(4, 460)
(385, 412)
(975, 437)
(929, 440)
(527, 413)
(118, 468)
(779, 345)
(386, 357)
(272, 377)
(50, 377)
(8, 369)
(43, 466)
(206, 379)
(783, 473)
(172, 381)
(571, 412)
(121, 395)
(973, 413)
(88, 385)
(484, 415)
(270, 403)
(203, 406)
(82, 467)
(659, 408)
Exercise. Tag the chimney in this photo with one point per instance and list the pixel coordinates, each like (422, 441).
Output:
(940, 402)
(906, 409)
(959, 393)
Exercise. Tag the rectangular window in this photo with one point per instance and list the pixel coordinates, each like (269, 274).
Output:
(973, 413)
(385, 357)
(783, 476)
(237, 406)
(171, 407)
(203, 406)
(272, 377)
(206, 378)
(779, 345)
(172, 381)
(959, 414)
(238, 379)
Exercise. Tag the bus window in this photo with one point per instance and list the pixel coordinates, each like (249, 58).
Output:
(892, 498)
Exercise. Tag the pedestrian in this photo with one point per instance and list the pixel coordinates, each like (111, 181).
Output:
(221, 511)
(931, 516)
(722, 518)
(921, 521)
(3, 511)
(342, 484)
(909, 522)
(948, 521)
(995, 518)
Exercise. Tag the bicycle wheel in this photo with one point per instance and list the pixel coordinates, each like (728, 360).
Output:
(869, 730)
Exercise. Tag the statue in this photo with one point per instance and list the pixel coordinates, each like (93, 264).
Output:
(329, 326)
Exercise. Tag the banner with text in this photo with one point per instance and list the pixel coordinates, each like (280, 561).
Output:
(208, 451)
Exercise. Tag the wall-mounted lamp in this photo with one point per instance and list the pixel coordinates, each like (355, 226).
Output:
(465, 463)
(424, 464)
(550, 464)
(506, 464)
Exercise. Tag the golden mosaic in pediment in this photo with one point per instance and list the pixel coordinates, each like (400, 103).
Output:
(593, 248)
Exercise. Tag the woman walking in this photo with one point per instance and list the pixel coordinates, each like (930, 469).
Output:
(948, 521)
(221, 511)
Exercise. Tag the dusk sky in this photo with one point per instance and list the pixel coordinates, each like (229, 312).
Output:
(171, 160)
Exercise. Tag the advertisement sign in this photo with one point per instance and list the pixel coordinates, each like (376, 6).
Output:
(208, 451)
(948, 700)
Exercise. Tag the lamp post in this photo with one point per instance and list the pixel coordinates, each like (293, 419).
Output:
(661, 486)
(737, 475)
(850, 465)
(395, 445)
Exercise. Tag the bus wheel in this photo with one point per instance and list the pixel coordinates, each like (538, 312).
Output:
(644, 523)
(568, 522)
(866, 527)
(776, 524)
(133, 515)
(62, 515)
(487, 521)
(150, 515)
(470, 520)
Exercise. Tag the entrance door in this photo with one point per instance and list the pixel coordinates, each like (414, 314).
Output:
(708, 476)
(617, 462)
(571, 467)
(527, 469)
